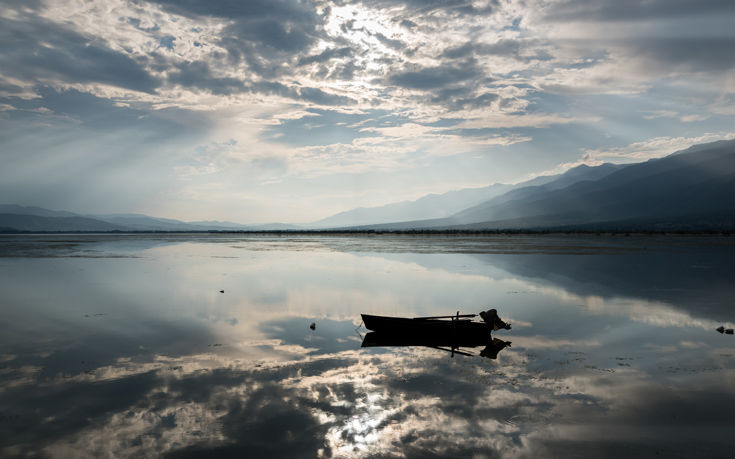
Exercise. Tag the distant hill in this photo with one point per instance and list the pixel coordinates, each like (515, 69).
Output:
(431, 206)
(139, 222)
(37, 211)
(14, 218)
(692, 189)
(538, 185)
(687, 188)
(20, 222)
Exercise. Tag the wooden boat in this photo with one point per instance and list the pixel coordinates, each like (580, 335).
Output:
(447, 333)
(459, 323)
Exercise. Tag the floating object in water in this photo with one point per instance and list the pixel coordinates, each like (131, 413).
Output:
(720, 329)
(312, 326)
(728, 331)
(446, 333)
(222, 291)
(458, 323)
(427, 325)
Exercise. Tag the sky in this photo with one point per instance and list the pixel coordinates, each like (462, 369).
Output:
(290, 111)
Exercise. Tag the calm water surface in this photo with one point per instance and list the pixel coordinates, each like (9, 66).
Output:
(123, 346)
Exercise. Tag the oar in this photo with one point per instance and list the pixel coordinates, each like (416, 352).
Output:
(455, 351)
(453, 316)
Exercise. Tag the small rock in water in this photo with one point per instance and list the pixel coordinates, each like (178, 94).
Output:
(312, 326)
(222, 291)
(728, 331)
(720, 329)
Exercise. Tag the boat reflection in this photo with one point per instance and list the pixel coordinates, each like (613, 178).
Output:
(448, 342)
(438, 333)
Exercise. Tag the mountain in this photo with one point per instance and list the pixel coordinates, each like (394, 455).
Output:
(25, 222)
(432, 206)
(691, 188)
(274, 227)
(37, 211)
(15, 218)
(540, 184)
(139, 222)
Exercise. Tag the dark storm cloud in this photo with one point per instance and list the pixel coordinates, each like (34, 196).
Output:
(35, 49)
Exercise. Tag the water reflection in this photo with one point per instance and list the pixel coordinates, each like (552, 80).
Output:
(449, 344)
(124, 346)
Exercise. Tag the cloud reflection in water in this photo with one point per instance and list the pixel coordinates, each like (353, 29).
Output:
(620, 375)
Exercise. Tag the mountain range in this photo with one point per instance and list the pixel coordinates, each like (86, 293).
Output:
(690, 189)
(693, 189)
(14, 218)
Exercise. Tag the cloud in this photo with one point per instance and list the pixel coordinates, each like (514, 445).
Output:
(199, 75)
(508, 47)
(264, 34)
(434, 77)
(44, 52)
(326, 55)
(653, 148)
(684, 54)
(632, 10)
(505, 73)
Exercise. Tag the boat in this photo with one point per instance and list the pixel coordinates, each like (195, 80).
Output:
(447, 333)
(461, 323)
(458, 323)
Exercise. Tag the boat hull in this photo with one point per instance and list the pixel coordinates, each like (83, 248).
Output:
(421, 326)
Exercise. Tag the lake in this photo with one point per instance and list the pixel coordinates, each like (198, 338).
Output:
(179, 345)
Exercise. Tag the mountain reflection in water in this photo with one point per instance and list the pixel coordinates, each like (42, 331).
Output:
(124, 346)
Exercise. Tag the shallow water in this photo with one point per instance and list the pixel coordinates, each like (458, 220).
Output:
(123, 345)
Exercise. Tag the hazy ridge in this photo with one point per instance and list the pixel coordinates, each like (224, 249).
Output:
(690, 189)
